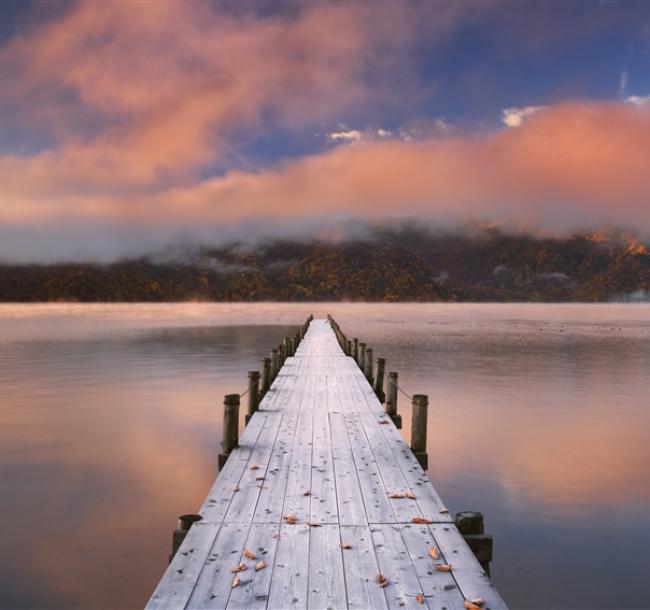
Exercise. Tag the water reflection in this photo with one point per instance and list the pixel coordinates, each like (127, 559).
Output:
(111, 421)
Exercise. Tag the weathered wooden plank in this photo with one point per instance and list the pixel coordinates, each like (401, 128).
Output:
(361, 569)
(326, 578)
(177, 584)
(215, 581)
(348, 492)
(472, 581)
(376, 500)
(439, 588)
(290, 578)
(323, 504)
(395, 565)
(255, 582)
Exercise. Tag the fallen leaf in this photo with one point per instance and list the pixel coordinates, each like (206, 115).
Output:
(260, 565)
(478, 601)
(419, 598)
(346, 546)
(383, 421)
(421, 520)
(254, 466)
(313, 524)
(249, 554)
(395, 495)
(471, 605)
(307, 493)
(240, 568)
(290, 519)
(410, 495)
(260, 478)
(444, 510)
(443, 567)
(235, 582)
(433, 553)
(382, 581)
(236, 488)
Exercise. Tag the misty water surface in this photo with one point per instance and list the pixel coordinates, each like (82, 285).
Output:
(110, 428)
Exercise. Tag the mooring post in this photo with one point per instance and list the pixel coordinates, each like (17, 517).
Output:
(253, 393)
(379, 380)
(348, 352)
(266, 375)
(362, 355)
(420, 405)
(230, 427)
(368, 366)
(287, 348)
(471, 525)
(185, 522)
(275, 364)
(391, 400)
(355, 349)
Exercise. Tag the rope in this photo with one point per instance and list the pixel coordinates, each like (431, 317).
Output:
(244, 393)
(403, 392)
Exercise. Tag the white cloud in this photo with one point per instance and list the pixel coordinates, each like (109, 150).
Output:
(637, 100)
(443, 126)
(351, 135)
(383, 133)
(514, 117)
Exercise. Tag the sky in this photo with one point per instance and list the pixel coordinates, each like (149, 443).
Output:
(129, 127)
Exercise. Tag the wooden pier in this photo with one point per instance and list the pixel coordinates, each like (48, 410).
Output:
(322, 504)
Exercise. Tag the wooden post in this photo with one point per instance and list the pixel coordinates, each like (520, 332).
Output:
(253, 393)
(266, 375)
(379, 380)
(287, 348)
(185, 522)
(368, 366)
(362, 355)
(420, 405)
(281, 356)
(275, 364)
(470, 524)
(349, 350)
(355, 349)
(391, 400)
(230, 427)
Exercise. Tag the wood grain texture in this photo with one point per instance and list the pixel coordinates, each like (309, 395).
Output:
(307, 492)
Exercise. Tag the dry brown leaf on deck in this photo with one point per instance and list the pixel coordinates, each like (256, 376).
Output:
(471, 605)
(260, 478)
(249, 554)
(235, 582)
(421, 520)
(395, 495)
(307, 493)
(434, 553)
(346, 546)
(290, 519)
(254, 466)
(443, 567)
(260, 565)
(383, 421)
(410, 495)
(382, 581)
(236, 488)
(478, 601)
(313, 524)
(240, 568)
(444, 510)
(419, 598)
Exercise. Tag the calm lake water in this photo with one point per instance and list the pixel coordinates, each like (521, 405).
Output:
(110, 421)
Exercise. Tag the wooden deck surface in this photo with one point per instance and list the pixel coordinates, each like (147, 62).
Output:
(321, 449)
